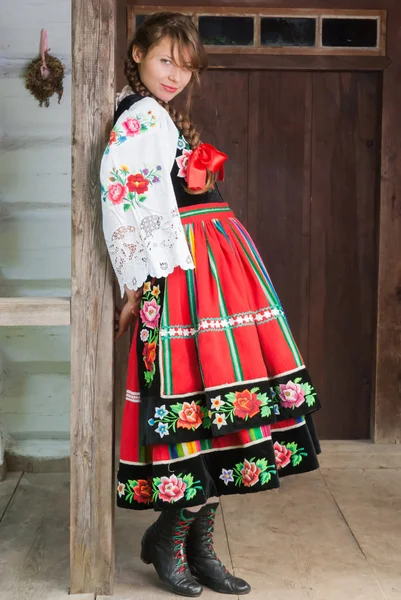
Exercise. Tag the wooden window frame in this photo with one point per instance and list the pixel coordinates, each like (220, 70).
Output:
(257, 13)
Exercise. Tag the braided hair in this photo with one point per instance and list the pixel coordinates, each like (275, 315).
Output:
(182, 32)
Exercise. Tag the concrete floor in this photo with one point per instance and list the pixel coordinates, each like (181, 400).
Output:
(334, 534)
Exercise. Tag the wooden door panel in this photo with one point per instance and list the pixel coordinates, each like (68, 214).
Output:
(343, 249)
(280, 109)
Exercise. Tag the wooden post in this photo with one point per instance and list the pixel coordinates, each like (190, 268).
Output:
(92, 423)
(387, 409)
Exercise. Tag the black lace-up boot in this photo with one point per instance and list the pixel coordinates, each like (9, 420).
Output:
(202, 559)
(163, 545)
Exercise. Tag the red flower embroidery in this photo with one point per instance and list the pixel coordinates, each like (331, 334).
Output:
(116, 193)
(282, 454)
(143, 491)
(137, 183)
(246, 404)
(250, 473)
(190, 417)
(113, 136)
(149, 355)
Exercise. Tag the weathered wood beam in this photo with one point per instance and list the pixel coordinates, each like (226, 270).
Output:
(387, 405)
(92, 423)
(34, 311)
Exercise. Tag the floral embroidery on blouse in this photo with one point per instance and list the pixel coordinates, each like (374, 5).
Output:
(174, 488)
(288, 453)
(130, 189)
(249, 473)
(132, 126)
(294, 393)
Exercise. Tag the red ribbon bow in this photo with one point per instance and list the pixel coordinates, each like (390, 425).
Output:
(204, 157)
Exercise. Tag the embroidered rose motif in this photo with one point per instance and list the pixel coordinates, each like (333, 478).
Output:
(137, 183)
(250, 473)
(246, 404)
(143, 491)
(149, 355)
(190, 417)
(150, 313)
(282, 454)
(116, 193)
(291, 394)
(113, 137)
(171, 489)
(182, 162)
(121, 489)
(131, 126)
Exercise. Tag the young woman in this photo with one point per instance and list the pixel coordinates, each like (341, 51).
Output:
(218, 399)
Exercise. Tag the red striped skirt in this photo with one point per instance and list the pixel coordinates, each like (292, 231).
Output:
(218, 397)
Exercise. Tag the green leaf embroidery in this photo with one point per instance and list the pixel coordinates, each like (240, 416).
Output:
(265, 411)
(255, 391)
(264, 398)
(156, 482)
(310, 400)
(190, 493)
(291, 446)
(230, 396)
(262, 464)
(142, 198)
(298, 380)
(188, 479)
(176, 408)
(131, 195)
(127, 207)
(265, 478)
(148, 377)
(307, 388)
(206, 423)
(296, 459)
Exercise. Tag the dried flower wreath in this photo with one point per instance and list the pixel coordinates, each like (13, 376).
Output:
(44, 75)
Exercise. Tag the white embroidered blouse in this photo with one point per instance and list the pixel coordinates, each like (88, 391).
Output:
(141, 221)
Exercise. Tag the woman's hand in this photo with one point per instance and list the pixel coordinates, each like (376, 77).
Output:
(128, 313)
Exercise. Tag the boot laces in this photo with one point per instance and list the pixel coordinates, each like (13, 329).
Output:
(179, 537)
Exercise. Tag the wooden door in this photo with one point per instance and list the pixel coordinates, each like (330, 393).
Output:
(302, 176)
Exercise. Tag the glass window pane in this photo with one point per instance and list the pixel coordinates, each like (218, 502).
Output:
(349, 33)
(280, 31)
(226, 31)
(139, 20)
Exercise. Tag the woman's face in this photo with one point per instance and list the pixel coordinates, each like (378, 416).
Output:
(161, 72)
